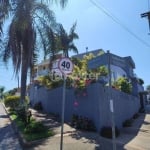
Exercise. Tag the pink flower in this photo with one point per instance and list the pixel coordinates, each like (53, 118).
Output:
(84, 94)
(76, 103)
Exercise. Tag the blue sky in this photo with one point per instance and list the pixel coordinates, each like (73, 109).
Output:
(97, 30)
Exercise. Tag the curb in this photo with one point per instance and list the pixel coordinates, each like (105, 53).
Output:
(25, 143)
(21, 139)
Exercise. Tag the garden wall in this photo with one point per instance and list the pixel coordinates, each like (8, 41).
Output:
(92, 103)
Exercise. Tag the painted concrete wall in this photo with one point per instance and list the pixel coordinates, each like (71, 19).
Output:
(117, 72)
(94, 105)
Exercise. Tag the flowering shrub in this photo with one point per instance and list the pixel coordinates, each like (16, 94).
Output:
(123, 85)
(83, 123)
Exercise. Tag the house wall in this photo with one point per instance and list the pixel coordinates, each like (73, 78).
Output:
(120, 65)
(94, 105)
(117, 72)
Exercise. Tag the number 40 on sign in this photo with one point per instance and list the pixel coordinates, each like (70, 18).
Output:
(65, 66)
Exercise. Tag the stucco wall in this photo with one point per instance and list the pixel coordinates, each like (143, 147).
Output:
(94, 105)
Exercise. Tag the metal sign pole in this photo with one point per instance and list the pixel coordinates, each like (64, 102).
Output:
(63, 111)
(65, 65)
(111, 104)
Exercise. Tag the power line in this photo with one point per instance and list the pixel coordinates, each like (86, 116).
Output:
(116, 20)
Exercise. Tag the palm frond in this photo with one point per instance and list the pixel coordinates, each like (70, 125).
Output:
(44, 14)
(61, 2)
(72, 34)
(4, 12)
(73, 48)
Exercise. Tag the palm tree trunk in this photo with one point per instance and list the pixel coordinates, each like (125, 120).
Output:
(24, 71)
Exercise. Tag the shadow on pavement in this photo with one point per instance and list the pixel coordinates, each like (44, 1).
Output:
(141, 125)
(8, 138)
(48, 120)
(4, 116)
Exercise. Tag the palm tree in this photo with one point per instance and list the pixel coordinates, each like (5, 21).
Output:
(66, 41)
(4, 11)
(7, 7)
(52, 44)
(49, 41)
(21, 43)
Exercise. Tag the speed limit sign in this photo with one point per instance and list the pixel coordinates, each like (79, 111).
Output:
(65, 65)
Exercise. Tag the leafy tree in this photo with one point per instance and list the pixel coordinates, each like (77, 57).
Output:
(12, 91)
(88, 57)
(123, 84)
(103, 71)
(140, 81)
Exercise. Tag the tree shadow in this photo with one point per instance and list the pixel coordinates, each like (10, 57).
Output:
(4, 116)
(127, 134)
(49, 120)
(8, 138)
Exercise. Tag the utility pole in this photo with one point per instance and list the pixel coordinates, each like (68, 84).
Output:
(111, 104)
(147, 14)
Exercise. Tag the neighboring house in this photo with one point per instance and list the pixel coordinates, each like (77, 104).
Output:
(43, 68)
(94, 103)
(96, 52)
(120, 67)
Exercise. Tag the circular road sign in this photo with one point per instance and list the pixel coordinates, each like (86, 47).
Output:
(65, 65)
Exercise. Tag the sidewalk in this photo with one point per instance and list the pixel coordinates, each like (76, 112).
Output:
(136, 137)
(50, 121)
(73, 139)
(8, 138)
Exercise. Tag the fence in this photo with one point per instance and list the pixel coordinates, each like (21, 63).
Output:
(92, 103)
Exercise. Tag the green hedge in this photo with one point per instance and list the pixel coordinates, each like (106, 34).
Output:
(13, 101)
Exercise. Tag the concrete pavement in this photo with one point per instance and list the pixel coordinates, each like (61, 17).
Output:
(8, 138)
(136, 137)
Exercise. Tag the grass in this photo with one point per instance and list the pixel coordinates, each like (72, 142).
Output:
(37, 136)
(36, 130)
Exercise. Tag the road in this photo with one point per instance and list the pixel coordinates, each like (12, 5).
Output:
(8, 139)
